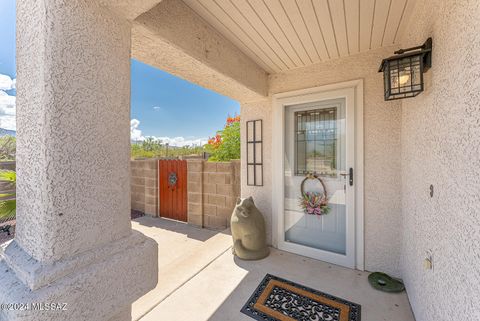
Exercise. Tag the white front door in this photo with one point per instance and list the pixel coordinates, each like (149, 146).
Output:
(319, 142)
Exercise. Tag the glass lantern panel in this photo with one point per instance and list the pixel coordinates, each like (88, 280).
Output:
(405, 77)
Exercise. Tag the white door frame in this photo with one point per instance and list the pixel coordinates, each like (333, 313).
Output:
(352, 89)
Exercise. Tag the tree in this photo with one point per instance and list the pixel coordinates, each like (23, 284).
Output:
(7, 148)
(225, 145)
(151, 144)
(8, 204)
(154, 148)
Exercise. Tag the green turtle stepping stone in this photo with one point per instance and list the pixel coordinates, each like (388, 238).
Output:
(384, 282)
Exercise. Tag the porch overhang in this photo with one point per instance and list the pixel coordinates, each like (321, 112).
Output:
(172, 37)
(129, 9)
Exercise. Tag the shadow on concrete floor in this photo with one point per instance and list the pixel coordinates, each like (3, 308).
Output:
(193, 232)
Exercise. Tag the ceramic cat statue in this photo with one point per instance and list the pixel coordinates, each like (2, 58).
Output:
(248, 231)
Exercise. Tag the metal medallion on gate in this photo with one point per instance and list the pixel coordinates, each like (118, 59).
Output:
(172, 179)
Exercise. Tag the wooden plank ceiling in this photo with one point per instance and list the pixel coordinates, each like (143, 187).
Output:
(285, 34)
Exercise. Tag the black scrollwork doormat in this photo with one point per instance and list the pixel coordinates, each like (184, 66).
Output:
(277, 299)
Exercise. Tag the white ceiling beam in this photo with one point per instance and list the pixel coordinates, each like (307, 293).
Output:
(283, 21)
(367, 8)
(337, 12)
(405, 22)
(211, 12)
(129, 9)
(352, 16)
(269, 20)
(172, 37)
(308, 13)
(382, 11)
(297, 20)
(324, 19)
(397, 11)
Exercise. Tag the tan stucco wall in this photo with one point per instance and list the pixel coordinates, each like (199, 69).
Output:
(73, 127)
(74, 242)
(381, 150)
(262, 195)
(441, 146)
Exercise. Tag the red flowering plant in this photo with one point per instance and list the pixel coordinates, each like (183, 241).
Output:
(225, 145)
(215, 142)
(232, 120)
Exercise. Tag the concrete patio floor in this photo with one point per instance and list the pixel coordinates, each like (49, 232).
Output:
(183, 251)
(199, 279)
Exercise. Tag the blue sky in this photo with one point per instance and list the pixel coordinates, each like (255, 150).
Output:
(162, 105)
(7, 64)
(168, 106)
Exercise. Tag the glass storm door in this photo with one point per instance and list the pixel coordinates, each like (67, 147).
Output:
(319, 143)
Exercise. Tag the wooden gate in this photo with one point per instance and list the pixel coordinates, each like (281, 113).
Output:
(172, 177)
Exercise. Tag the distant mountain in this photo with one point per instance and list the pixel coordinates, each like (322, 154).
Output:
(4, 132)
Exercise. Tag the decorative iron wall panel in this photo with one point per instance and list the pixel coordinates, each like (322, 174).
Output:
(255, 153)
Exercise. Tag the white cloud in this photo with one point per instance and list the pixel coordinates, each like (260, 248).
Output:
(7, 111)
(7, 83)
(182, 141)
(157, 107)
(136, 135)
(7, 103)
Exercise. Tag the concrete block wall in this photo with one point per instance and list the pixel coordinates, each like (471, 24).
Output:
(213, 188)
(144, 186)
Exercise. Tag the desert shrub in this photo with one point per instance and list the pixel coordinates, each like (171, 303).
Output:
(8, 204)
(7, 148)
(154, 148)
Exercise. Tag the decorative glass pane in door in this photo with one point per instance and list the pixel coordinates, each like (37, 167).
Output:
(315, 146)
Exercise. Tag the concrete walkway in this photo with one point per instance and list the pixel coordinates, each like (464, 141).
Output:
(183, 251)
(208, 283)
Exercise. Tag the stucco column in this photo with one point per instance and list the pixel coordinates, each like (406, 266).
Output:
(74, 242)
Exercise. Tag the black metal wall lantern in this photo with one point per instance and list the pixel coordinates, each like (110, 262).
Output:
(403, 73)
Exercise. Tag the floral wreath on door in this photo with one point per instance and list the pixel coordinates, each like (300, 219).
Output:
(314, 203)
